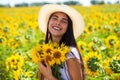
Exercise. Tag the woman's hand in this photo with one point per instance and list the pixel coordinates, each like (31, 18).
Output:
(46, 70)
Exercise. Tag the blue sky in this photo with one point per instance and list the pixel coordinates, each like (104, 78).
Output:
(84, 2)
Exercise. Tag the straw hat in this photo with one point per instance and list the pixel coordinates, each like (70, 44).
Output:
(48, 9)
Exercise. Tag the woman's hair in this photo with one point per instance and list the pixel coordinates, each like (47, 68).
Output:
(68, 39)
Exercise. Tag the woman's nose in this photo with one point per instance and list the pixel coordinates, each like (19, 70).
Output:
(58, 22)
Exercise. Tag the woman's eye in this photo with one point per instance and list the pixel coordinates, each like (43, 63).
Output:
(64, 21)
(54, 18)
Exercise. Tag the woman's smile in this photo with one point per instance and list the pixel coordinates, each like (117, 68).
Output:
(56, 28)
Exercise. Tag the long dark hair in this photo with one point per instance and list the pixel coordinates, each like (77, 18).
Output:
(68, 39)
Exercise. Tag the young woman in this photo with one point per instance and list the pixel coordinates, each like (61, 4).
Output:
(62, 24)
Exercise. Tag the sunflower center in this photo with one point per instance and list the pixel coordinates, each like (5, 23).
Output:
(115, 66)
(94, 48)
(48, 50)
(13, 60)
(82, 47)
(6, 29)
(13, 43)
(90, 28)
(48, 58)
(92, 64)
(1, 40)
(18, 60)
(112, 42)
(57, 54)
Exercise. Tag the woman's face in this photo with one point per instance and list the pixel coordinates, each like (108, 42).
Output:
(58, 24)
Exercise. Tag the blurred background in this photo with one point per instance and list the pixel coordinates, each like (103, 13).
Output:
(98, 44)
(16, 3)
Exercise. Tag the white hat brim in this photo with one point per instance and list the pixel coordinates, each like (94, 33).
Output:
(47, 10)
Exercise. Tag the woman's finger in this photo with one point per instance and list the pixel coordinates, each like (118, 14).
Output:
(40, 66)
(46, 63)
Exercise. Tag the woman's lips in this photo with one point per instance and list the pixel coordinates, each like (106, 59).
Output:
(56, 28)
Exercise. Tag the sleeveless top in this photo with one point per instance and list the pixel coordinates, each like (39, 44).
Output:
(64, 70)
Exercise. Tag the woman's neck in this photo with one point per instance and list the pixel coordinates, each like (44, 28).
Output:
(56, 39)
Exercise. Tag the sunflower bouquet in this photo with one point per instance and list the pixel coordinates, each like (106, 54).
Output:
(54, 54)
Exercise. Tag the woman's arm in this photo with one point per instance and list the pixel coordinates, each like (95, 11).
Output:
(74, 69)
(46, 71)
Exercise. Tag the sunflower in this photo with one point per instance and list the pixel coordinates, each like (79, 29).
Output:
(2, 40)
(36, 57)
(47, 48)
(7, 64)
(118, 55)
(37, 53)
(90, 27)
(12, 43)
(6, 29)
(55, 45)
(64, 48)
(59, 56)
(19, 61)
(14, 62)
(37, 47)
(86, 32)
(49, 58)
(82, 46)
(92, 63)
(117, 30)
(106, 65)
(93, 47)
(112, 41)
(115, 64)
(17, 74)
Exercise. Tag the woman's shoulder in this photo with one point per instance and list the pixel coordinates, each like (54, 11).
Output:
(73, 53)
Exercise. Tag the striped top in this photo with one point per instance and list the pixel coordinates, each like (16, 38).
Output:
(64, 70)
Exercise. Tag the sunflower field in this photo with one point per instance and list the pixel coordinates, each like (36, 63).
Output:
(98, 44)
